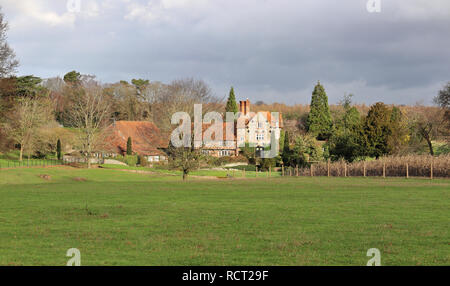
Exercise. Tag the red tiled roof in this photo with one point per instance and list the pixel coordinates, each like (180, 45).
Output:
(227, 127)
(268, 116)
(145, 136)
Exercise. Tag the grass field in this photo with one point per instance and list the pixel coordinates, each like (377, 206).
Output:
(122, 218)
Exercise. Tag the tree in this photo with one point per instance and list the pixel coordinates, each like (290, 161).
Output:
(282, 139)
(27, 116)
(90, 113)
(377, 130)
(443, 100)
(8, 62)
(231, 102)
(287, 154)
(428, 125)
(29, 86)
(399, 133)
(319, 122)
(48, 135)
(185, 159)
(129, 147)
(305, 150)
(180, 96)
(344, 142)
(72, 77)
(249, 153)
(140, 84)
(58, 150)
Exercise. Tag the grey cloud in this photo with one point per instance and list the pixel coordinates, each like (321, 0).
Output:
(269, 50)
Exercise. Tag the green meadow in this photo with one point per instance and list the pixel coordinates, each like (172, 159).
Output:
(116, 217)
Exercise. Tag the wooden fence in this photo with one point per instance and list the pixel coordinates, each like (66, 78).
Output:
(432, 167)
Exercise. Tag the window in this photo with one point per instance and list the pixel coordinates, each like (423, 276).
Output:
(224, 153)
(259, 136)
(259, 125)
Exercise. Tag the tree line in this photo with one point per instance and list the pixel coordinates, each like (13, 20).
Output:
(41, 116)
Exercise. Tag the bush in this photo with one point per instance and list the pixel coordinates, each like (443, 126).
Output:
(131, 160)
(143, 161)
(267, 163)
(247, 168)
(220, 161)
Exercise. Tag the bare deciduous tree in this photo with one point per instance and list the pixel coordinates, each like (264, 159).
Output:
(90, 113)
(428, 125)
(8, 62)
(26, 117)
(185, 159)
(180, 96)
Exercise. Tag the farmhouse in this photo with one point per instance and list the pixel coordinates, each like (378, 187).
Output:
(251, 128)
(258, 127)
(147, 140)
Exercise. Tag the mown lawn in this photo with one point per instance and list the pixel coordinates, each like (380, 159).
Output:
(122, 218)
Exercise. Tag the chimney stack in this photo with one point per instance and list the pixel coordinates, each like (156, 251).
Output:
(244, 107)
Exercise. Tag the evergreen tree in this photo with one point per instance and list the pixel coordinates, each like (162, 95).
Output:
(345, 141)
(306, 149)
(58, 149)
(129, 147)
(319, 122)
(399, 131)
(231, 102)
(281, 141)
(72, 77)
(377, 129)
(286, 155)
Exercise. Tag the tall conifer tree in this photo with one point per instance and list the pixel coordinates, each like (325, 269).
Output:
(231, 102)
(319, 122)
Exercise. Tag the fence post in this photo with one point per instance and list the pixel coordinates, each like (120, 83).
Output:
(407, 171)
(311, 170)
(431, 171)
(282, 170)
(345, 169)
(296, 170)
(364, 169)
(256, 171)
(328, 168)
(384, 169)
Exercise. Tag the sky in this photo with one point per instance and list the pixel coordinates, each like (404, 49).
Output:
(269, 50)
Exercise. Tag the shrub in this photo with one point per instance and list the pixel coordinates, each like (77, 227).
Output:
(143, 161)
(131, 160)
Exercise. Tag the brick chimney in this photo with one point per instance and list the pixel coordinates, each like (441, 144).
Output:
(244, 107)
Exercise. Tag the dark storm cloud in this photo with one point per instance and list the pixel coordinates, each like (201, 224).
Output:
(269, 50)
